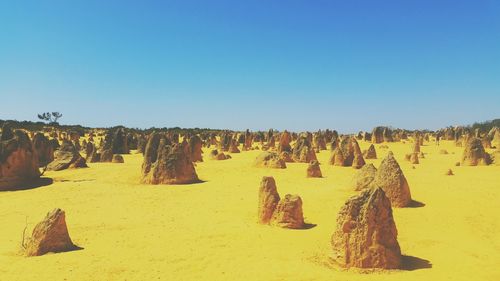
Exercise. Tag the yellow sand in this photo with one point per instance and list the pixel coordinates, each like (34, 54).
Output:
(208, 231)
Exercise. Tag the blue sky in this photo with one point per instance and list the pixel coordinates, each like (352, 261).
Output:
(298, 65)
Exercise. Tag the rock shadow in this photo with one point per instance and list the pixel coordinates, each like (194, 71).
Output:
(415, 204)
(30, 184)
(411, 263)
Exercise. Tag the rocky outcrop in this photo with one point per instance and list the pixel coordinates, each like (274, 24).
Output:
(391, 179)
(216, 155)
(50, 235)
(303, 150)
(195, 152)
(18, 159)
(288, 213)
(370, 153)
(313, 170)
(474, 154)
(284, 143)
(67, 157)
(43, 149)
(269, 160)
(363, 179)
(366, 234)
(347, 153)
(268, 200)
(167, 164)
(285, 212)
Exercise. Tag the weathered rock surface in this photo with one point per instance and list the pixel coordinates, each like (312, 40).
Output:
(364, 177)
(366, 235)
(474, 154)
(167, 164)
(195, 145)
(370, 153)
(288, 213)
(303, 150)
(18, 159)
(314, 170)
(50, 235)
(391, 179)
(44, 149)
(268, 200)
(269, 160)
(285, 212)
(67, 157)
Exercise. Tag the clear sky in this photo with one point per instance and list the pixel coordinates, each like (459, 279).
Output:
(299, 65)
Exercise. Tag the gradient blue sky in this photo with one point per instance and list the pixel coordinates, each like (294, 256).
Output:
(299, 65)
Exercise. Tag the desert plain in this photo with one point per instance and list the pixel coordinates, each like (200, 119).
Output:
(209, 230)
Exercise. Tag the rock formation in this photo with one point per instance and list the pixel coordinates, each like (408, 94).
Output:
(416, 146)
(414, 158)
(43, 149)
(216, 155)
(107, 155)
(284, 143)
(18, 159)
(366, 235)
(358, 161)
(50, 235)
(370, 153)
(495, 141)
(269, 160)
(226, 140)
(248, 140)
(233, 146)
(268, 200)
(195, 151)
(313, 170)
(115, 142)
(92, 156)
(347, 154)
(288, 213)
(285, 212)
(364, 177)
(117, 158)
(67, 157)
(303, 150)
(474, 154)
(167, 164)
(377, 135)
(319, 141)
(391, 179)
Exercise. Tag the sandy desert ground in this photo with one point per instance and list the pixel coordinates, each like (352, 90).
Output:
(208, 231)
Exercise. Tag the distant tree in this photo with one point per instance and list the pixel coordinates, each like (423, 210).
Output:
(50, 117)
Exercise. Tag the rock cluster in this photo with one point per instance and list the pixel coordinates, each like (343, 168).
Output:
(474, 154)
(166, 163)
(285, 212)
(303, 150)
(269, 159)
(347, 153)
(67, 157)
